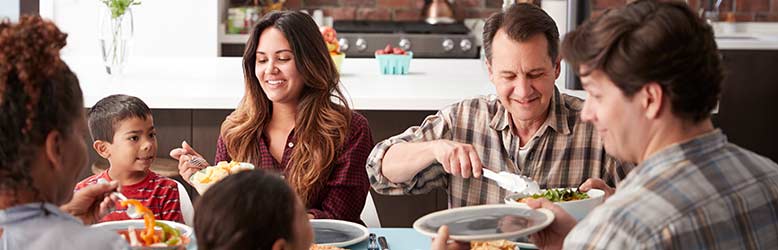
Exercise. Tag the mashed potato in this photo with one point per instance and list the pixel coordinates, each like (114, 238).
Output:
(216, 173)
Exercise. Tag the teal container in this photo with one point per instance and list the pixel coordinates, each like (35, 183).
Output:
(394, 64)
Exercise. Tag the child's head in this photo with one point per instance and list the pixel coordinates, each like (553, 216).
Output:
(251, 210)
(122, 128)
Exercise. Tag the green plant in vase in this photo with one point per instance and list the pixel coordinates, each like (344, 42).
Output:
(116, 29)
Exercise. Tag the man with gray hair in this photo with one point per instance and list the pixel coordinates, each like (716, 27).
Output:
(528, 128)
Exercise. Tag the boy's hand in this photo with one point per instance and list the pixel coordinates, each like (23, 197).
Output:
(92, 202)
(186, 166)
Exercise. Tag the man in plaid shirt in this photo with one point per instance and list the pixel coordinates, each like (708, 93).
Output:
(653, 75)
(529, 128)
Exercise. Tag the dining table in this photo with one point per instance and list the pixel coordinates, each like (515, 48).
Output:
(400, 239)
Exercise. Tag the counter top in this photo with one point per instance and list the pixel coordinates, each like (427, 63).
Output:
(217, 83)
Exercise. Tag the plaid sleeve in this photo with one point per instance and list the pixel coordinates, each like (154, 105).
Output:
(616, 170)
(221, 152)
(347, 187)
(434, 127)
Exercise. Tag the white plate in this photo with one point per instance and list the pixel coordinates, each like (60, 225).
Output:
(485, 222)
(337, 233)
(139, 224)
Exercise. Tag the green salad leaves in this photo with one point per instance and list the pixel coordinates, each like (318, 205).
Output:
(561, 194)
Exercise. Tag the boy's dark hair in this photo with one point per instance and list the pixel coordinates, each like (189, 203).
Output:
(650, 41)
(522, 21)
(247, 210)
(106, 113)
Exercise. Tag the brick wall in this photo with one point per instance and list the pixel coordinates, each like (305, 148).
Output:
(408, 10)
(743, 10)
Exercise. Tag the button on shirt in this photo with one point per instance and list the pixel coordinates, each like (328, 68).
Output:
(45, 226)
(702, 194)
(563, 153)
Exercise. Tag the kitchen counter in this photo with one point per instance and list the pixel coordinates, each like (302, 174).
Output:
(217, 83)
(747, 42)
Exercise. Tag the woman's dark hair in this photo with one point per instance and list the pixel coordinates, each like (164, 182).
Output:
(650, 41)
(321, 125)
(105, 115)
(38, 94)
(522, 21)
(248, 210)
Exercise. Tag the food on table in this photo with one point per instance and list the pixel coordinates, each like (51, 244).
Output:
(558, 195)
(216, 173)
(492, 245)
(331, 39)
(148, 236)
(388, 50)
(320, 247)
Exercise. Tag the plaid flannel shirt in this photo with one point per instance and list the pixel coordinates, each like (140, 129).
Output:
(702, 194)
(563, 153)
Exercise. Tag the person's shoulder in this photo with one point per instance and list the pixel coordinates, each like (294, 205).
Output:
(62, 233)
(484, 104)
(358, 119)
(573, 103)
(88, 181)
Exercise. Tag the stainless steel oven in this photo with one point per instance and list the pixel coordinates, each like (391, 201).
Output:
(362, 38)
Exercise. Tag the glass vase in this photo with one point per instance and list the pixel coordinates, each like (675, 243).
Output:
(114, 34)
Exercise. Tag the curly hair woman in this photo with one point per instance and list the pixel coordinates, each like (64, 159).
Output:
(294, 119)
(42, 149)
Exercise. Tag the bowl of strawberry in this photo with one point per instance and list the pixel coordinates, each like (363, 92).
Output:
(393, 61)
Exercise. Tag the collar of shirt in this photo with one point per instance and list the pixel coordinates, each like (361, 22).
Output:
(556, 120)
(29, 211)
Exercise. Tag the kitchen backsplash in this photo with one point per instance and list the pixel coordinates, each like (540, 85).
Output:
(408, 10)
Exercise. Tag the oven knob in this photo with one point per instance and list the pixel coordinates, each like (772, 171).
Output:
(343, 42)
(465, 45)
(448, 45)
(361, 44)
(405, 44)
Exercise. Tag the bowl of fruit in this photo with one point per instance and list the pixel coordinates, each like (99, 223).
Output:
(331, 40)
(393, 61)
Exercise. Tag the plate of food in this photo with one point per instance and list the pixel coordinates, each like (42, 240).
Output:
(337, 233)
(485, 222)
(206, 177)
(578, 204)
(149, 233)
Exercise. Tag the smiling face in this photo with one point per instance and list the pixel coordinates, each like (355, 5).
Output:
(276, 69)
(134, 145)
(524, 75)
(619, 119)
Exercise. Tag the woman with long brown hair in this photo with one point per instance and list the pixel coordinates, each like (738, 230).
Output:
(294, 119)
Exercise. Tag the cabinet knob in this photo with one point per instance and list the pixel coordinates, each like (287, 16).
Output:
(405, 44)
(448, 45)
(343, 42)
(465, 45)
(361, 44)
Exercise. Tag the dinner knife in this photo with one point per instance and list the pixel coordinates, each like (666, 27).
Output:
(382, 242)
